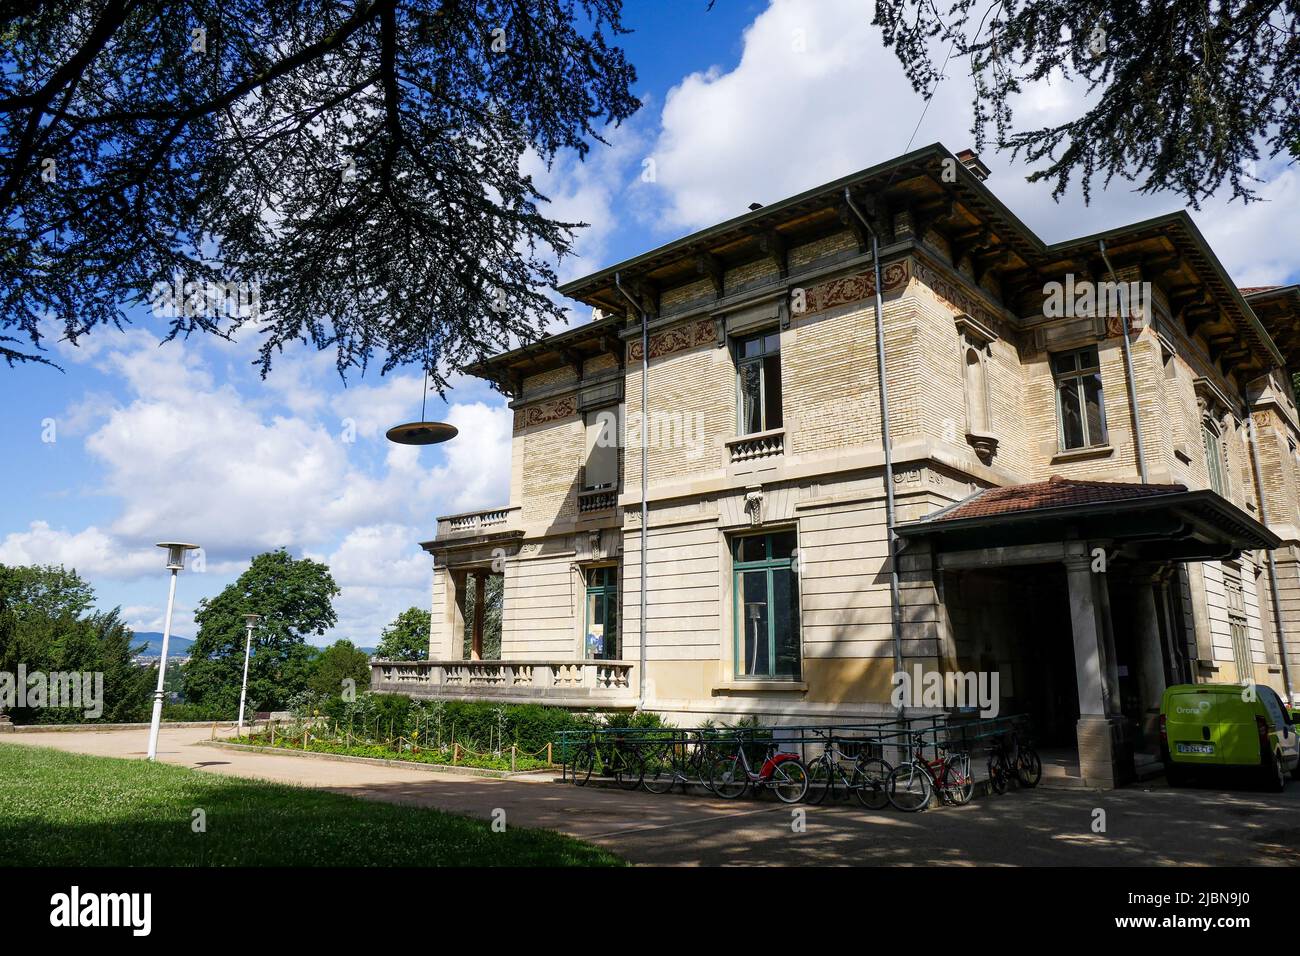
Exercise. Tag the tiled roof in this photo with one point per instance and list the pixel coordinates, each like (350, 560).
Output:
(1056, 492)
(1253, 289)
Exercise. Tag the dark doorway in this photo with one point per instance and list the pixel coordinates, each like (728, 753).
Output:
(1046, 678)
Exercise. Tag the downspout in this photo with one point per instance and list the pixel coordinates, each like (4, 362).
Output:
(1132, 382)
(645, 508)
(895, 615)
(1268, 557)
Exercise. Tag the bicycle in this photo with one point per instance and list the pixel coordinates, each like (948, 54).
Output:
(913, 782)
(781, 771)
(827, 773)
(620, 760)
(683, 760)
(1019, 759)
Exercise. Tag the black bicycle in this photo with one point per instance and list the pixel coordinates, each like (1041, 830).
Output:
(1010, 757)
(611, 754)
(834, 771)
(681, 759)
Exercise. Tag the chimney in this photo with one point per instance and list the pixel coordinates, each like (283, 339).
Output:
(971, 160)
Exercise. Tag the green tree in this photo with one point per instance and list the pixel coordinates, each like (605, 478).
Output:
(341, 661)
(46, 626)
(47, 590)
(407, 638)
(1184, 94)
(363, 161)
(295, 598)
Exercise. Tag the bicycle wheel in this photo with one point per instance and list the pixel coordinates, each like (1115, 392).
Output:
(728, 777)
(628, 769)
(821, 779)
(958, 784)
(660, 770)
(1028, 767)
(998, 778)
(583, 761)
(789, 781)
(909, 788)
(870, 782)
(699, 768)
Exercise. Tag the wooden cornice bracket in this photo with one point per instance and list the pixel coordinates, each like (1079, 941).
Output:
(707, 264)
(776, 248)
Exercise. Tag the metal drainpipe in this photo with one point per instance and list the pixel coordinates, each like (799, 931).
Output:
(1132, 382)
(895, 614)
(1268, 557)
(645, 509)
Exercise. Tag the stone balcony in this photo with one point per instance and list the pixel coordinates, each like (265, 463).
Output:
(747, 448)
(472, 524)
(562, 683)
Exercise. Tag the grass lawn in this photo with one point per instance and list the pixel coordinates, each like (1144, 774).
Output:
(62, 809)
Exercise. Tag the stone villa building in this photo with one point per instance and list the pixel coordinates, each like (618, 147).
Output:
(1074, 475)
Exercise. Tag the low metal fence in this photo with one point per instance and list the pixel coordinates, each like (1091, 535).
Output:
(661, 758)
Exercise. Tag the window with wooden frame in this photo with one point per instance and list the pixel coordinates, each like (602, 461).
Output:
(758, 382)
(1235, 598)
(766, 598)
(1080, 404)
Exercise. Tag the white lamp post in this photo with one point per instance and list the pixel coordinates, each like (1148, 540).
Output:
(251, 621)
(175, 562)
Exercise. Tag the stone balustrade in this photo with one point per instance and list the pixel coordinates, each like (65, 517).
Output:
(474, 522)
(763, 445)
(600, 500)
(559, 682)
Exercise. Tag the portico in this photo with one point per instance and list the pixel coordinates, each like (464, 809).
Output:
(1063, 550)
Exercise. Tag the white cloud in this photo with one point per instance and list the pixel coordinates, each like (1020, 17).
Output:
(90, 551)
(816, 95)
(381, 571)
(189, 458)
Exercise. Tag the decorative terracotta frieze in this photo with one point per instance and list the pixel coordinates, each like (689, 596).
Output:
(548, 411)
(854, 288)
(679, 338)
(955, 295)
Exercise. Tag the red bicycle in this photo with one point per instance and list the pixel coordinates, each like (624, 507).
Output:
(912, 781)
(781, 771)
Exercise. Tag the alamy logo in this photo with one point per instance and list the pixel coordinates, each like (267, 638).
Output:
(74, 909)
(77, 690)
(946, 690)
(206, 299)
(1085, 298)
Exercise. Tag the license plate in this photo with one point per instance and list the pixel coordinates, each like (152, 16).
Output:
(1195, 748)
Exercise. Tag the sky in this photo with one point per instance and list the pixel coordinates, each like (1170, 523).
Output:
(137, 442)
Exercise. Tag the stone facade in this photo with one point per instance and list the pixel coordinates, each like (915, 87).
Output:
(972, 404)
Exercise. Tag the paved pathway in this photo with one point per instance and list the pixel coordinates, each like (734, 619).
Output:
(1144, 826)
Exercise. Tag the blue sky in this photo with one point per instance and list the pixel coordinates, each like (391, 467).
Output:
(750, 102)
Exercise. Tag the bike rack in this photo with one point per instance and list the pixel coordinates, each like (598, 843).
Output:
(950, 732)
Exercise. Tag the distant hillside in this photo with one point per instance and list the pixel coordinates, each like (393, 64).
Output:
(176, 646)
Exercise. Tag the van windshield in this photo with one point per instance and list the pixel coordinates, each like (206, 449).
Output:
(1273, 704)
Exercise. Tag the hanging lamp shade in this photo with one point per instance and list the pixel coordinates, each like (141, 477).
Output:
(421, 433)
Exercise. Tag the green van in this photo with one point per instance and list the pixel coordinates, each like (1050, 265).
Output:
(1209, 727)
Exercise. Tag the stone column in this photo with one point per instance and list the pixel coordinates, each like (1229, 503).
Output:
(1098, 729)
(446, 627)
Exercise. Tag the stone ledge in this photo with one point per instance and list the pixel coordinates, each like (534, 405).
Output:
(378, 761)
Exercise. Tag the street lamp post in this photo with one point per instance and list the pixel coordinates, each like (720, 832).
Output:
(175, 562)
(251, 621)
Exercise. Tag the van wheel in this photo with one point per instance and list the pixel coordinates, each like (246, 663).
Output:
(1274, 775)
